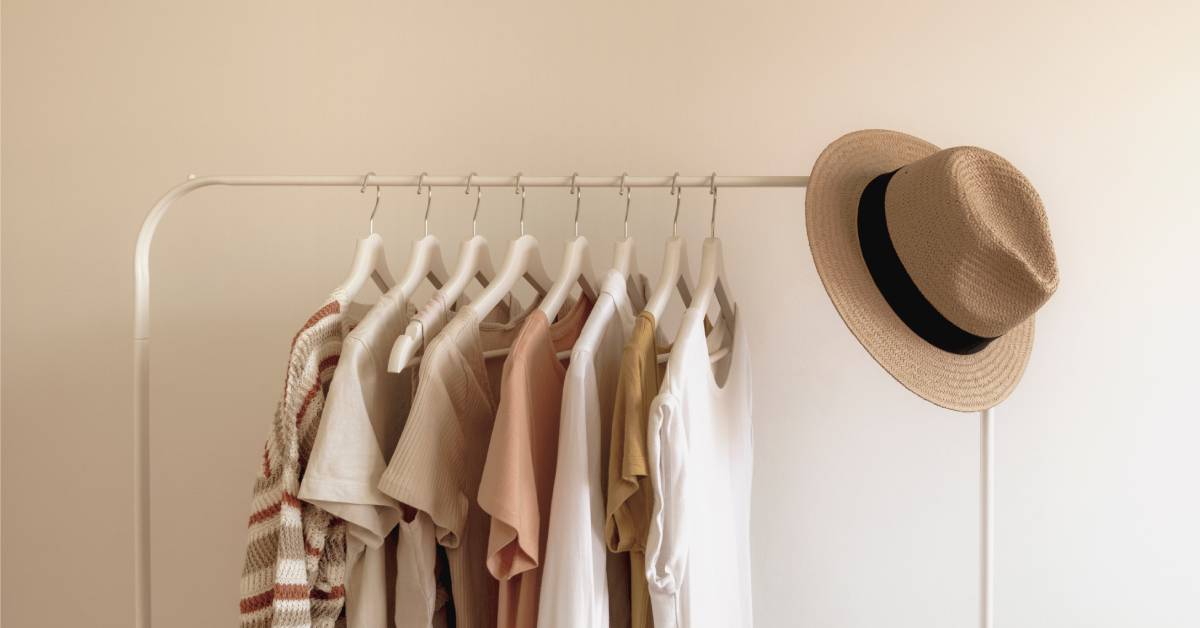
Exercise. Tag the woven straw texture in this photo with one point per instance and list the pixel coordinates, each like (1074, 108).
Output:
(991, 288)
(972, 233)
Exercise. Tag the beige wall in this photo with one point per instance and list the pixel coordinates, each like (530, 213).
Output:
(865, 497)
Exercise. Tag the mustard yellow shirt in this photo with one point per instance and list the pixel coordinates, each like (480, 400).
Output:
(627, 519)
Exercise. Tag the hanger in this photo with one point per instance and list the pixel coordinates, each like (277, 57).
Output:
(425, 260)
(625, 251)
(474, 263)
(674, 275)
(576, 267)
(712, 283)
(624, 264)
(523, 261)
(369, 263)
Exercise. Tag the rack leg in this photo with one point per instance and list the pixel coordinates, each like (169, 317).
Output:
(141, 482)
(986, 520)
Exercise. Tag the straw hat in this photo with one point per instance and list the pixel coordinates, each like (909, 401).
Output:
(936, 259)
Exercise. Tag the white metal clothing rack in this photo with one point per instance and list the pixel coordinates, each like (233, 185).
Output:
(141, 331)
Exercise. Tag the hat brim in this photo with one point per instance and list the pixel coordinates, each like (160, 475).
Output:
(959, 382)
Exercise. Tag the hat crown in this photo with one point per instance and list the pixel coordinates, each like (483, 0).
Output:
(972, 233)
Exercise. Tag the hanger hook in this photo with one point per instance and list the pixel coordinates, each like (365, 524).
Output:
(678, 193)
(520, 189)
(625, 190)
(428, 198)
(478, 198)
(712, 189)
(375, 208)
(578, 197)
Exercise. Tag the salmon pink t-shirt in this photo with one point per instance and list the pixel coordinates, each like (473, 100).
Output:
(518, 475)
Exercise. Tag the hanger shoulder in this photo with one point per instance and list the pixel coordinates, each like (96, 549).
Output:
(370, 264)
(589, 283)
(535, 270)
(625, 264)
(475, 251)
(673, 277)
(437, 275)
(523, 261)
(474, 263)
(625, 257)
(712, 283)
(424, 264)
(685, 285)
(576, 269)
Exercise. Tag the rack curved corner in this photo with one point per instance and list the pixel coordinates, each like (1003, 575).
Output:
(141, 393)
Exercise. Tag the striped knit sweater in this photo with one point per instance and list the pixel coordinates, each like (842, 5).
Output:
(295, 563)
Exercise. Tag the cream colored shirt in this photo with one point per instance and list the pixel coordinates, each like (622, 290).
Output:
(364, 414)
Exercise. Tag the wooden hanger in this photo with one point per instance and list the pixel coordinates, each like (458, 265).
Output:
(522, 261)
(625, 254)
(370, 262)
(576, 267)
(425, 260)
(474, 263)
(712, 283)
(673, 278)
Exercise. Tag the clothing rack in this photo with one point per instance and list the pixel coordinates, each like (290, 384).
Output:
(141, 328)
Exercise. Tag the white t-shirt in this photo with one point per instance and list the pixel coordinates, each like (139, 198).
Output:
(365, 411)
(701, 455)
(575, 587)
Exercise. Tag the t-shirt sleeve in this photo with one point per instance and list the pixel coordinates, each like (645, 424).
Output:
(345, 464)
(508, 489)
(667, 544)
(425, 471)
